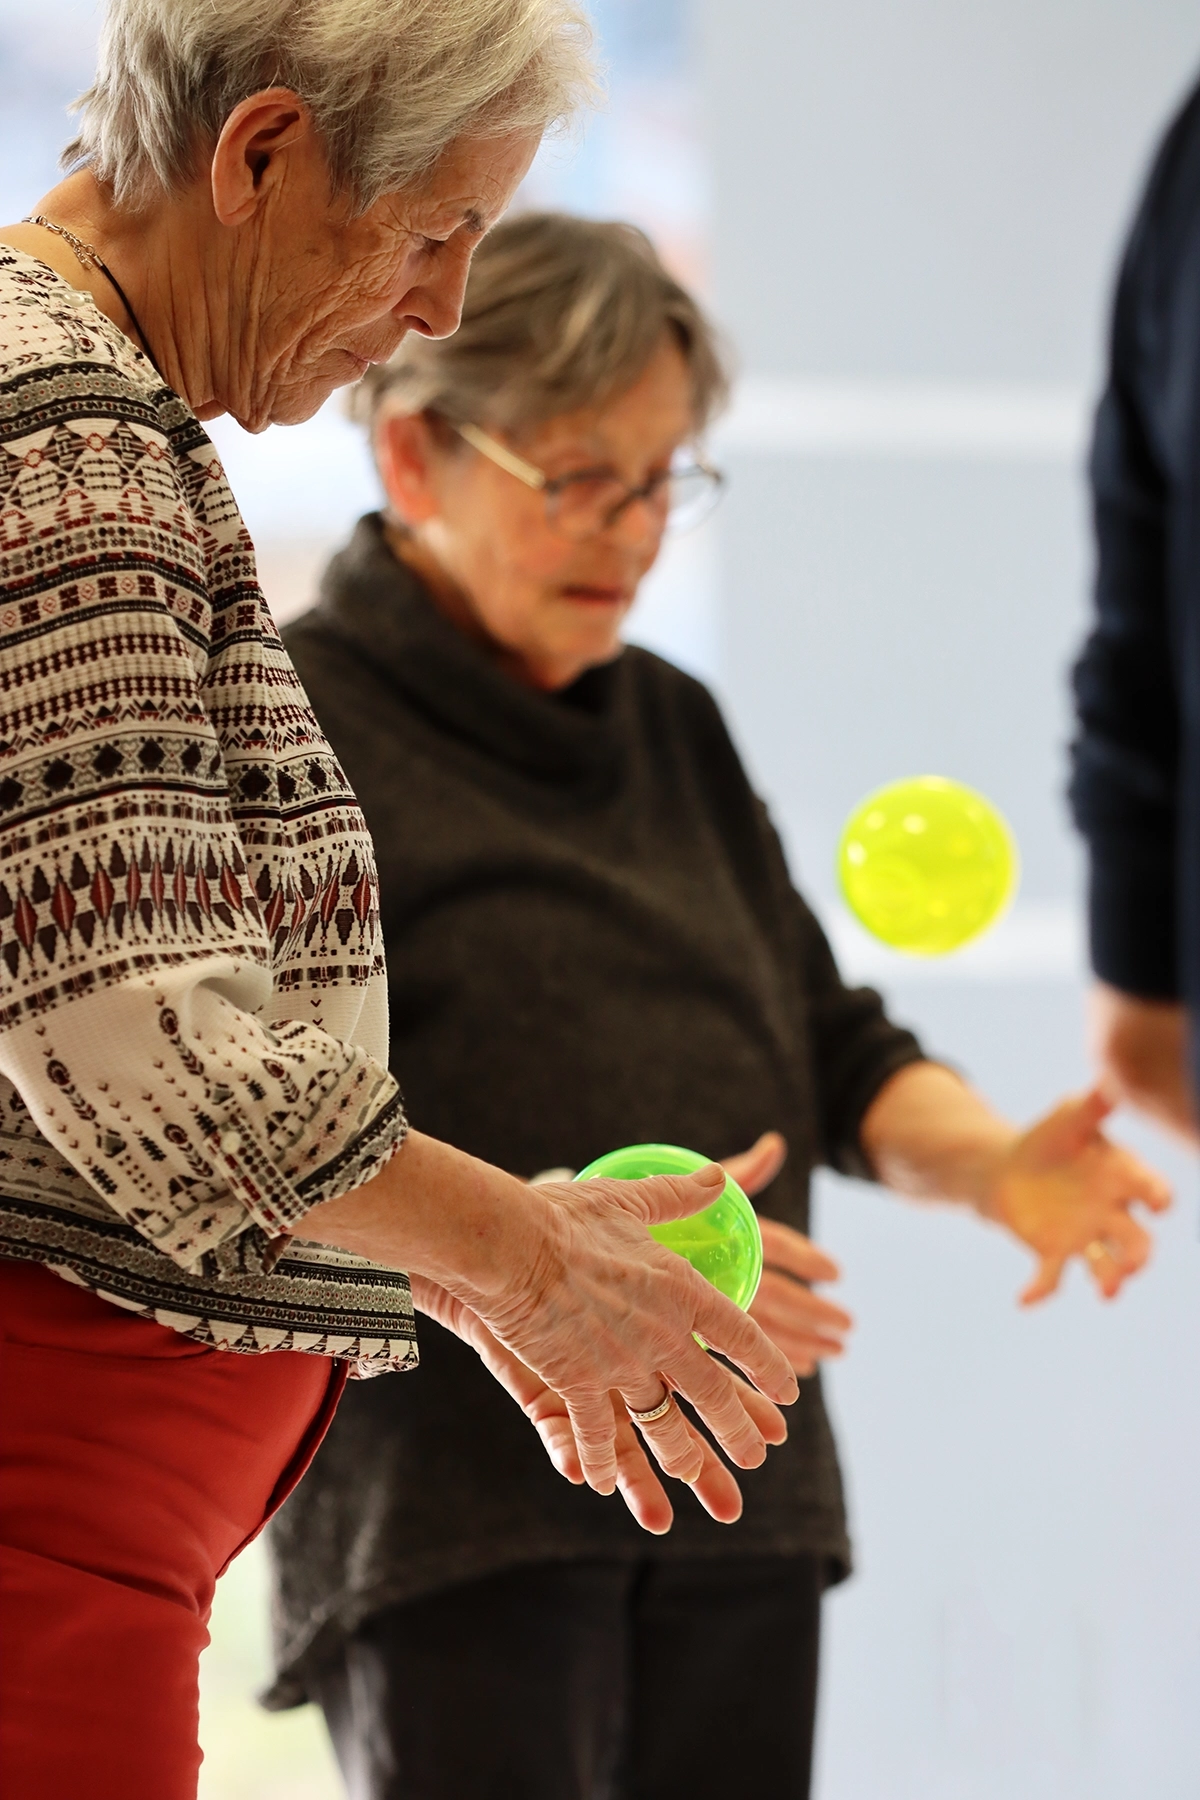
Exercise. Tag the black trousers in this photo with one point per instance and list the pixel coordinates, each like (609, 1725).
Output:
(586, 1681)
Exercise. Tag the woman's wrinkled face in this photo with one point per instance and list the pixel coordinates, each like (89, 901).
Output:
(319, 294)
(548, 606)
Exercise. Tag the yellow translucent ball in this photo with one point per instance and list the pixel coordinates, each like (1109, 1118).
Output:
(927, 864)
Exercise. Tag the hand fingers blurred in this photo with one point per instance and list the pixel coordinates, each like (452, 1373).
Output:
(1129, 1242)
(1104, 1268)
(1092, 1108)
(1116, 1253)
(1068, 1127)
(804, 1353)
(1045, 1282)
(797, 1255)
(1136, 1181)
(780, 1298)
(755, 1168)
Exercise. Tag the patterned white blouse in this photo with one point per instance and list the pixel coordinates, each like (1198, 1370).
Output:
(193, 1006)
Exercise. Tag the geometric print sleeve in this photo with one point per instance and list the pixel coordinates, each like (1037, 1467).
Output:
(192, 1011)
(188, 1115)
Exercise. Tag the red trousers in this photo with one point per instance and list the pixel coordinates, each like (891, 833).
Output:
(134, 1465)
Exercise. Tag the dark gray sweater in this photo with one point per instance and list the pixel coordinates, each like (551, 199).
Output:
(592, 940)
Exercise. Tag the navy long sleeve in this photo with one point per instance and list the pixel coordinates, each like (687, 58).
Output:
(1135, 790)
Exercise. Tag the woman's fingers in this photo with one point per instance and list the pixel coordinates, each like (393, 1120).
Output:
(553, 1426)
(639, 1486)
(1088, 1112)
(804, 1325)
(765, 1414)
(658, 1198)
(675, 1446)
(718, 1399)
(776, 1318)
(1046, 1280)
(1136, 1181)
(756, 1168)
(715, 1487)
(795, 1254)
(1116, 1253)
(594, 1428)
(736, 1335)
(779, 1297)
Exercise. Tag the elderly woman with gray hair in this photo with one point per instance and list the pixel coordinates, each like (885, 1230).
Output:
(593, 940)
(207, 1193)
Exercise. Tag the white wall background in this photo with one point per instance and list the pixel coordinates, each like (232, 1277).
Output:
(916, 206)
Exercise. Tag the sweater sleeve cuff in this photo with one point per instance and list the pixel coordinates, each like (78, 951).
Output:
(851, 1158)
(1132, 920)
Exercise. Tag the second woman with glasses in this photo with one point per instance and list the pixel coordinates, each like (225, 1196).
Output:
(592, 941)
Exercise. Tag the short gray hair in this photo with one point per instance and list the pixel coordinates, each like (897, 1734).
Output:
(560, 313)
(390, 83)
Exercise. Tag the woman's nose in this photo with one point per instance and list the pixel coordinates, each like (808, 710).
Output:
(437, 305)
(640, 521)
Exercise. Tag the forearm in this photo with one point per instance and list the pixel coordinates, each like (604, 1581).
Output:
(930, 1136)
(438, 1212)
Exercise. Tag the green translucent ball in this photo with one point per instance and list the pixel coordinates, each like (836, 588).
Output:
(927, 864)
(723, 1243)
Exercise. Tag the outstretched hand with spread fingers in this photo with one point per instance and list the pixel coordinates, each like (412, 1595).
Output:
(558, 1310)
(1066, 1190)
(714, 1486)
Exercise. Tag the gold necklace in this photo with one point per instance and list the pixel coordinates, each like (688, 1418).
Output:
(89, 257)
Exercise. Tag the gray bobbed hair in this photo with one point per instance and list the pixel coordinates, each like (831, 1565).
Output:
(560, 313)
(390, 83)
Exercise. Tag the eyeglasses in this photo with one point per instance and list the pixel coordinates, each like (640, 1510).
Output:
(588, 502)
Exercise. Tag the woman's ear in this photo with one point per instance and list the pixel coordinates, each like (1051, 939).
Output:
(250, 152)
(404, 454)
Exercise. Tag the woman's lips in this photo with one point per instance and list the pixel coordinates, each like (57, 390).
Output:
(596, 596)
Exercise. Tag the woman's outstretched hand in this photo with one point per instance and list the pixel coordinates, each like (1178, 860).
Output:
(567, 1279)
(1062, 1187)
(805, 1326)
(639, 1486)
(1066, 1190)
(607, 1297)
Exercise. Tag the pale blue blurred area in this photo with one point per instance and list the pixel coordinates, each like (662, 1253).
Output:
(907, 214)
(916, 210)
(47, 58)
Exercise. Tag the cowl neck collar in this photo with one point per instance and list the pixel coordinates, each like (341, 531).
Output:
(374, 601)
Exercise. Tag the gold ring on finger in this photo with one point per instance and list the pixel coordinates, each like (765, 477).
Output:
(653, 1412)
